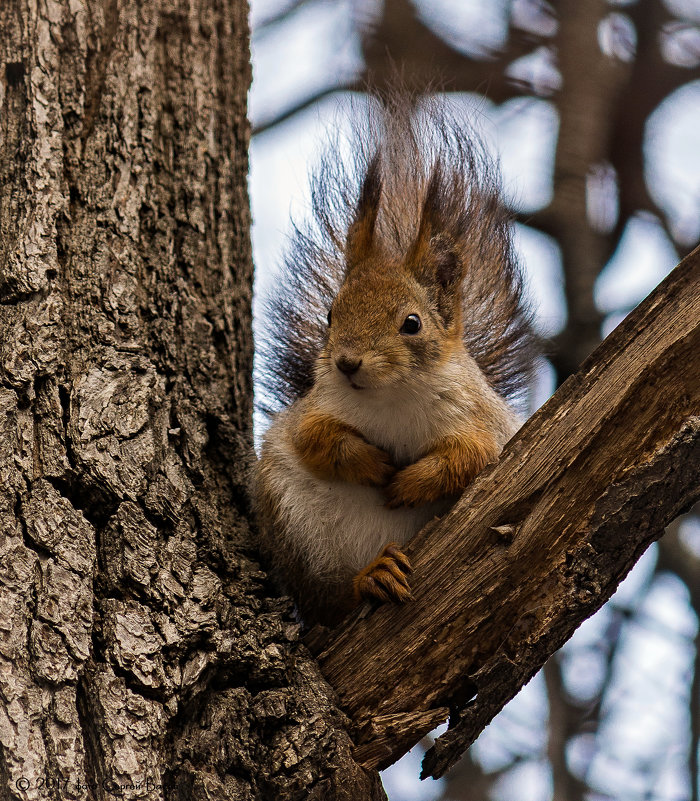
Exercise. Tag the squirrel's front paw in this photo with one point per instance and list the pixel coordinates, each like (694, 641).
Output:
(369, 465)
(386, 578)
(412, 486)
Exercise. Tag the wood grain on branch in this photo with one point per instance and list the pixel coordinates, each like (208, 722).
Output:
(538, 543)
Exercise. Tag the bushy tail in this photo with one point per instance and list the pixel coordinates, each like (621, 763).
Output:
(414, 136)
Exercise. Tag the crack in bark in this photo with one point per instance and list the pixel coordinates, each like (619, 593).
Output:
(96, 64)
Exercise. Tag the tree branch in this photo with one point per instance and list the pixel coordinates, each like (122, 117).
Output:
(564, 717)
(652, 78)
(401, 44)
(281, 15)
(401, 40)
(537, 544)
(303, 104)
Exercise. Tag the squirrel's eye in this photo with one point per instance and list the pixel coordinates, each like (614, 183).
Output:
(411, 325)
(329, 316)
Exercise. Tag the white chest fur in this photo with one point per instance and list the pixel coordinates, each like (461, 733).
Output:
(339, 527)
(406, 419)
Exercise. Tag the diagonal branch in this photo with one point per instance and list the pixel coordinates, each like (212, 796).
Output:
(280, 15)
(538, 543)
(402, 40)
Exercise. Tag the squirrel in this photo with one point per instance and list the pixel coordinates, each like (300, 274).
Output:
(398, 337)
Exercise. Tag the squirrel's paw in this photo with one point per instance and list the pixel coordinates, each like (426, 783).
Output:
(370, 465)
(413, 486)
(386, 578)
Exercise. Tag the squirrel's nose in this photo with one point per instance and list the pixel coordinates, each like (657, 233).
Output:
(348, 365)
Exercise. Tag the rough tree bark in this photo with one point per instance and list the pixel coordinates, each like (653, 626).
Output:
(140, 653)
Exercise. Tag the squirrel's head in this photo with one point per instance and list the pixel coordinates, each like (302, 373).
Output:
(394, 315)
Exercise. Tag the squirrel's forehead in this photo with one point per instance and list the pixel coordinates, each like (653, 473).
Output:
(385, 297)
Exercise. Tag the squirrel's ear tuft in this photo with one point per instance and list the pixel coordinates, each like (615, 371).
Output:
(436, 257)
(445, 261)
(361, 232)
(432, 214)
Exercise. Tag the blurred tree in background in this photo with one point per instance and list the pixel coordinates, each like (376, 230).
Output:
(616, 713)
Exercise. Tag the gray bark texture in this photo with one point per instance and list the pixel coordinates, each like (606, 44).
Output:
(141, 656)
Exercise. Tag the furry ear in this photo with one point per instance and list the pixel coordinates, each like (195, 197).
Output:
(445, 261)
(436, 258)
(431, 218)
(360, 236)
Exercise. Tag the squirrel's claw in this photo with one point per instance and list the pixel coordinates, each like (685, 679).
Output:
(385, 579)
(393, 550)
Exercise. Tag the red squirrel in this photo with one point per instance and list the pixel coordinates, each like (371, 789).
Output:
(397, 335)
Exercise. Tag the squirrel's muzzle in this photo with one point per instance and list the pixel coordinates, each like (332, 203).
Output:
(348, 364)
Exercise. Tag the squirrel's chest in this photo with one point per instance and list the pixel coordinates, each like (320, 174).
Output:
(405, 426)
(404, 436)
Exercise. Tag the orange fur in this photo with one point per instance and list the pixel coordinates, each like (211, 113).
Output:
(385, 578)
(445, 470)
(334, 450)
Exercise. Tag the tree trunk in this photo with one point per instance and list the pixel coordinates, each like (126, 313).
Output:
(140, 654)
